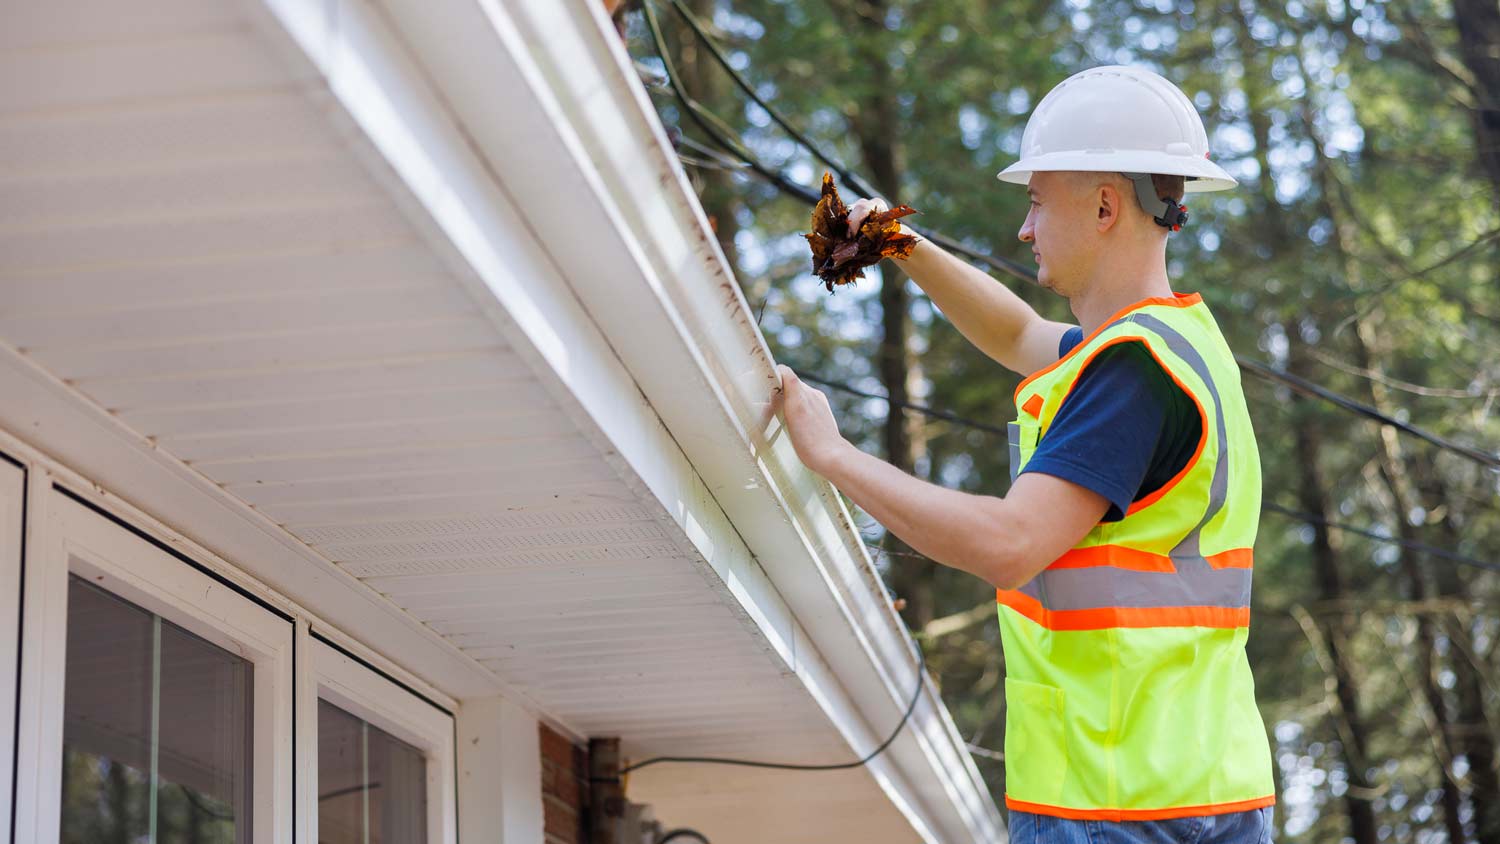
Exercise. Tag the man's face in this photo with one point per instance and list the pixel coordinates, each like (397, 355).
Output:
(1062, 228)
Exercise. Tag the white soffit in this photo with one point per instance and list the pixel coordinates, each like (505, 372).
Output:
(205, 257)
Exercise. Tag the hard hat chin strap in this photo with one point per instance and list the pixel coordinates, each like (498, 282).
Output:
(1172, 215)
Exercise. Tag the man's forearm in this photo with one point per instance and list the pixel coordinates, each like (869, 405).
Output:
(983, 309)
(924, 515)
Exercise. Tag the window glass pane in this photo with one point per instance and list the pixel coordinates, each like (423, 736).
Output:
(204, 751)
(372, 787)
(341, 776)
(156, 729)
(400, 812)
(106, 718)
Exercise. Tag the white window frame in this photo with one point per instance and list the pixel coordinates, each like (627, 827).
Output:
(71, 538)
(13, 482)
(353, 683)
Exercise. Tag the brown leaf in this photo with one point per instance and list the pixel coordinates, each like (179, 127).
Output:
(838, 258)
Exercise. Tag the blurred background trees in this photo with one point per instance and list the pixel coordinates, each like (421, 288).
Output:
(1361, 252)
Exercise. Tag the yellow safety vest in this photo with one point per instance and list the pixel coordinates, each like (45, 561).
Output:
(1128, 692)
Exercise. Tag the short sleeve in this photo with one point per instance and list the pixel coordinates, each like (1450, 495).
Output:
(1104, 435)
(1070, 338)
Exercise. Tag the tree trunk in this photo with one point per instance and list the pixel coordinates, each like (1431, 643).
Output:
(1312, 490)
(1475, 737)
(1392, 470)
(1392, 463)
(1313, 498)
(1478, 23)
(709, 84)
(1471, 737)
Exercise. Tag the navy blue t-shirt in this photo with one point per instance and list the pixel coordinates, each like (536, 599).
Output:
(1124, 430)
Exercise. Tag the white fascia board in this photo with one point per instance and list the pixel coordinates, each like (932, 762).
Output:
(527, 116)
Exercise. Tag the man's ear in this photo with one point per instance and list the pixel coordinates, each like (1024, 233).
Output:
(1110, 206)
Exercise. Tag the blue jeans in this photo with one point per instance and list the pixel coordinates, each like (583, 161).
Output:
(1249, 827)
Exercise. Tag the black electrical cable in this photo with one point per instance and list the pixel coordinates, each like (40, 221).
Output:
(1306, 387)
(923, 409)
(786, 766)
(1393, 540)
(849, 177)
(1253, 366)
(681, 832)
(700, 114)
(1265, 506)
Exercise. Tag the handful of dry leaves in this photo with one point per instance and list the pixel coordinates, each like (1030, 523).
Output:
(838, 258)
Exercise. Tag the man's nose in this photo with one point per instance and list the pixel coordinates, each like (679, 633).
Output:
(1027, 232)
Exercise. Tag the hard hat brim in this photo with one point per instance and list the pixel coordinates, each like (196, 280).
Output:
(1204, 175)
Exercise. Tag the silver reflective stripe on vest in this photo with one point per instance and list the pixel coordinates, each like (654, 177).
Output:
(1013, 433)
(1195, 583)
(1218, 488)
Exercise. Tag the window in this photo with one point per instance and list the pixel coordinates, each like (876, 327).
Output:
(385, 756)
(372, 786)
(157, 728)
(156, 699)
(163, 698)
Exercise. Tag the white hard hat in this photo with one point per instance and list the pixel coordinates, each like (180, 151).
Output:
(1118, 119)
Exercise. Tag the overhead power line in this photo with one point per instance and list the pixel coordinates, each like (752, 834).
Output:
(923, 409)
(848, 176)
(1306, 387)
(1379, 537)
(703, 117)
(1310, 518)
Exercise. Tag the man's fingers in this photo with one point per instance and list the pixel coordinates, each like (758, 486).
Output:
(785, 376)
(863, 208)
(856, 218)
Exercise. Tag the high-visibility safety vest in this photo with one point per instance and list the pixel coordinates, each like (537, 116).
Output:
(1128, 691)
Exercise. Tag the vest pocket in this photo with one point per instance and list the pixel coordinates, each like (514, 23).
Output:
(1036, 749)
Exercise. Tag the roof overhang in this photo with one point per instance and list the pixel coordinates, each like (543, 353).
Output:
(517, 140)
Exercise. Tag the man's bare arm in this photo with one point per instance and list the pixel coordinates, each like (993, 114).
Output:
(1005, 541)
(984, 310)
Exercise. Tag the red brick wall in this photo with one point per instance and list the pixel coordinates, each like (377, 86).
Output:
(565, 776)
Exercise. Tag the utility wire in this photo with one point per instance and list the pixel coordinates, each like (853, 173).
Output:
(923, 409)
(1298, 515)
(784, 766)
(1306, 387)
(1392, 540)
(1257, 368)
(850, 178)
(701, 116)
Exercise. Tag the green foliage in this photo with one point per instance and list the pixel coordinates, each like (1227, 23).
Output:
(1353, 135)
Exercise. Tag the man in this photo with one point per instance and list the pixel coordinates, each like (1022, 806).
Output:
(1121, 555)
